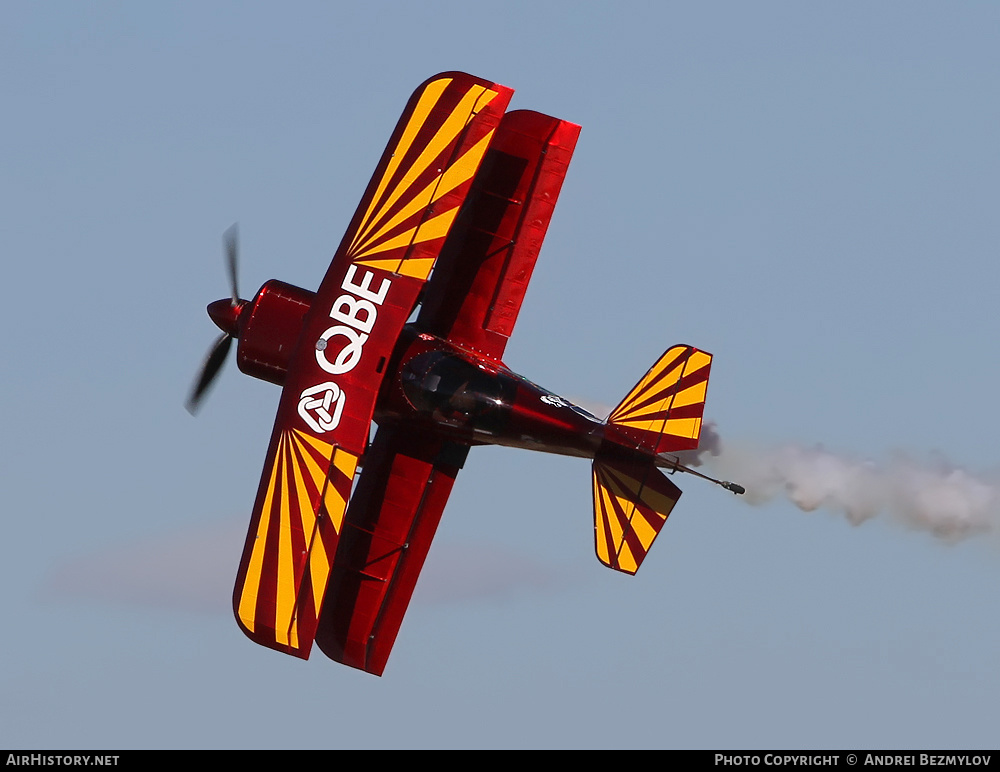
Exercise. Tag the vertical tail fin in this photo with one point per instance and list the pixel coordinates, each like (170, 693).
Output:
(632, 500)
(663, 412)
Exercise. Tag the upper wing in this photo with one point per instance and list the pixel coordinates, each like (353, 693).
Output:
(348, 334)
(390, 523)
(485, 265)
(424, 175)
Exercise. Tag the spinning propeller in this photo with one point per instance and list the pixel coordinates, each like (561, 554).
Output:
(226, 315)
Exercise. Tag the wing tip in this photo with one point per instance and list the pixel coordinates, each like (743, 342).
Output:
(267, 638)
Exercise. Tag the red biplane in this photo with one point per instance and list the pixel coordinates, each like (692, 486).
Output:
(408, 331)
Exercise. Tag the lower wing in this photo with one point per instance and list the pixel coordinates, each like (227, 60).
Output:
(387, 532)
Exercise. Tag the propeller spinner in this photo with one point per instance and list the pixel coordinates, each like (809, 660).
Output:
(226, 315)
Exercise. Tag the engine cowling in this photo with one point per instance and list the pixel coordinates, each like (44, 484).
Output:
(270, 326)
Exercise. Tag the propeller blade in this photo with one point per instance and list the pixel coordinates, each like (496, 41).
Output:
(213, 363)
(230, 240)
(217, 354)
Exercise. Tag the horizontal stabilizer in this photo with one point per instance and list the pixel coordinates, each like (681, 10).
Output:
(631, 503)
(663, 413)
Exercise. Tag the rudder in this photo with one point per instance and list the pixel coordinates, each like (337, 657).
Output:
(663, 412)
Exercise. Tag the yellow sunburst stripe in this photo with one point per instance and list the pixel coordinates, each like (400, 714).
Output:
(615, 526)
(648, 386)
(445, 135)
(309, 464)
(683, 427)
(628, 490)
(658, 417)
(449, 130)
(325, 449)
(659, 420)
(319, 572)
(248, 598)
(318, 566)
(603, 519)
(622, 542)
(335, 503)
(319, 562)
(419, 268)
(655, 375)
(293, 467)
(627, 405)
(676, 427)
(660, 370)
(284, 595)
(432, 93)
(434, 228)
(623, 557)
(626, 560)
(645, 387)
(699, 359)
(336, 499)
(692, 395)
(346, 462)
(456, 174)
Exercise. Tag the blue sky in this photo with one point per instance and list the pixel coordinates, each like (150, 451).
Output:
(807, 191)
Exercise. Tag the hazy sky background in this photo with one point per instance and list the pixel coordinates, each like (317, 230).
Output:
(808, 191)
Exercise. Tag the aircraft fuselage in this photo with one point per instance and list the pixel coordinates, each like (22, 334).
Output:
(449, 391)
(469, 399)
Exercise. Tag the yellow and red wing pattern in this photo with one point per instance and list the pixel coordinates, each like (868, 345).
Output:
(305, 492)
(631, 504)
(393, 241)
(665, 409)
(413, 201)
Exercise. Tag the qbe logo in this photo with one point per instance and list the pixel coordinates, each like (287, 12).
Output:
(321, 406)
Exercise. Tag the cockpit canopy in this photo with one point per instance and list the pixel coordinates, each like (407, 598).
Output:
(451, 389)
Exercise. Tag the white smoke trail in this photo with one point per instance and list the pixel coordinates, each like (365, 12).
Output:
(937, 497)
